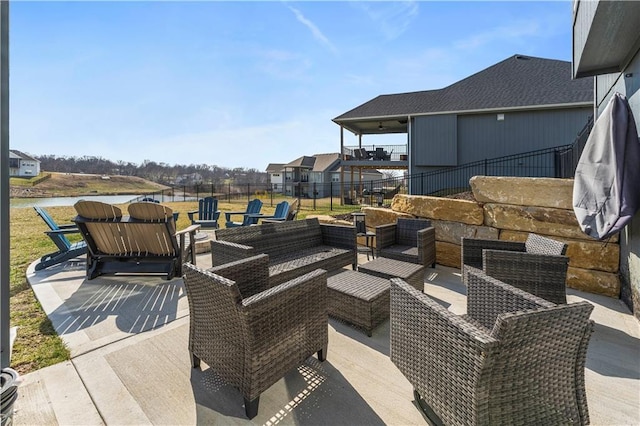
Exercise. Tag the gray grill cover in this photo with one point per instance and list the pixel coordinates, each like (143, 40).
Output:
(606, 191)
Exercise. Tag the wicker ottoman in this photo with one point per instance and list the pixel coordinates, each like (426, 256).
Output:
(359, 299)
(382, 267)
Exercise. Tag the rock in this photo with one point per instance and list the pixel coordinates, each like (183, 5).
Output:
(452, 232)
(464, 211)
(377, 216)
(330, 219)
(539, 220)
(591, 281)
(534, 192)
(448, 254)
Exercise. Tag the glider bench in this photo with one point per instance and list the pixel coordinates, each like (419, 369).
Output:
(145, 242)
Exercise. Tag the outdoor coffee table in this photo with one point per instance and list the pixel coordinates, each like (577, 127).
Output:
(382, 267)
(359, 299)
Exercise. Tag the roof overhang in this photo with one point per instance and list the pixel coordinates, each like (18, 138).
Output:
(374, 125)
(398, 124)
(605, 36)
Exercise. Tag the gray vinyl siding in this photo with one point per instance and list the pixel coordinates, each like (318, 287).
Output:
(482, 136)
(608, 84)
(434, 140)
(582, 22)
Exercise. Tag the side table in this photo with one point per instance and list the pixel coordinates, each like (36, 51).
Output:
(368, 248)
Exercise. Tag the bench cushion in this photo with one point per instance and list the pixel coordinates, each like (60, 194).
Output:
(290, 265)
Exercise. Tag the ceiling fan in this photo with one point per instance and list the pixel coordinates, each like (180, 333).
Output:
(381, 127)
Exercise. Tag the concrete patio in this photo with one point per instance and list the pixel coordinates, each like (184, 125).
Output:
(130, 364)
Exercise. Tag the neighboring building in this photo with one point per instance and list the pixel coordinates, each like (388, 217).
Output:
(518, 105)
(189, 179)
(605, 45)
(275, 176)
(23, 165)
(322, 172)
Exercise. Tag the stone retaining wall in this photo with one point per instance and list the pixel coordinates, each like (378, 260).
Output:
(508, 209)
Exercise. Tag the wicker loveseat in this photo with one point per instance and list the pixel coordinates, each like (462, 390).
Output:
(538, 265)
(513, 359)
(251, 332)
(294, 247)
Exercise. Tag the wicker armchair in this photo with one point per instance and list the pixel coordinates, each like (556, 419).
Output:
(409, 240)
(538, 266)
(513, 359)
(251, 333)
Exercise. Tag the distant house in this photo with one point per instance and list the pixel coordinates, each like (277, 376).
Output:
(23, 165)
(518, 105)
(320, 172)
(189, 179)
(275, 177)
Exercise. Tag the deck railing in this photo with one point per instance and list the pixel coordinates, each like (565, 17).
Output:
(376, 152)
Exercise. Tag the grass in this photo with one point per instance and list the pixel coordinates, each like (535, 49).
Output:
(69, 185)
(37, 345)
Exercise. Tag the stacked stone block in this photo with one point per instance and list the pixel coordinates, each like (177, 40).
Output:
(509, 208)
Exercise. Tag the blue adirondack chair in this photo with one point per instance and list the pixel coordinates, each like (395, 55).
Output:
(280, 215)
(253, 208)
(207, 212)
(66, 249)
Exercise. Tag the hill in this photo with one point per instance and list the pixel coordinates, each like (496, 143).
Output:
(79, 184)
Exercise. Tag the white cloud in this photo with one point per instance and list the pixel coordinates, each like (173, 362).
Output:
(393, 18)
(514, 33)
(283, 65)
(360, 80)
(315, 31)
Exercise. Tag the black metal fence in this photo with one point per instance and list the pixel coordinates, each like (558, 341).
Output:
(311, 195)
(557, 162)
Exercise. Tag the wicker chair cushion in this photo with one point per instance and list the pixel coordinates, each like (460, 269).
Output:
(401, 250)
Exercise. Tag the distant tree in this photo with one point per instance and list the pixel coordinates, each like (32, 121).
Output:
(157, 172)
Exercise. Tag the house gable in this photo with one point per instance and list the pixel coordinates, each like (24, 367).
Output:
(23, 165)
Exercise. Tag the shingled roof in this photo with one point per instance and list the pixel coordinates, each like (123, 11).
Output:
(14, 153)
(517, 82)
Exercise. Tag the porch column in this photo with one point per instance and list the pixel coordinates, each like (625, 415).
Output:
(341, 166)
(360, 168)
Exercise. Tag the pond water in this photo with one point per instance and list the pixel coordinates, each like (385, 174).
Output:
(69, 201)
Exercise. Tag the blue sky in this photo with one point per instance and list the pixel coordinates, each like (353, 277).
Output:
(244, 84)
